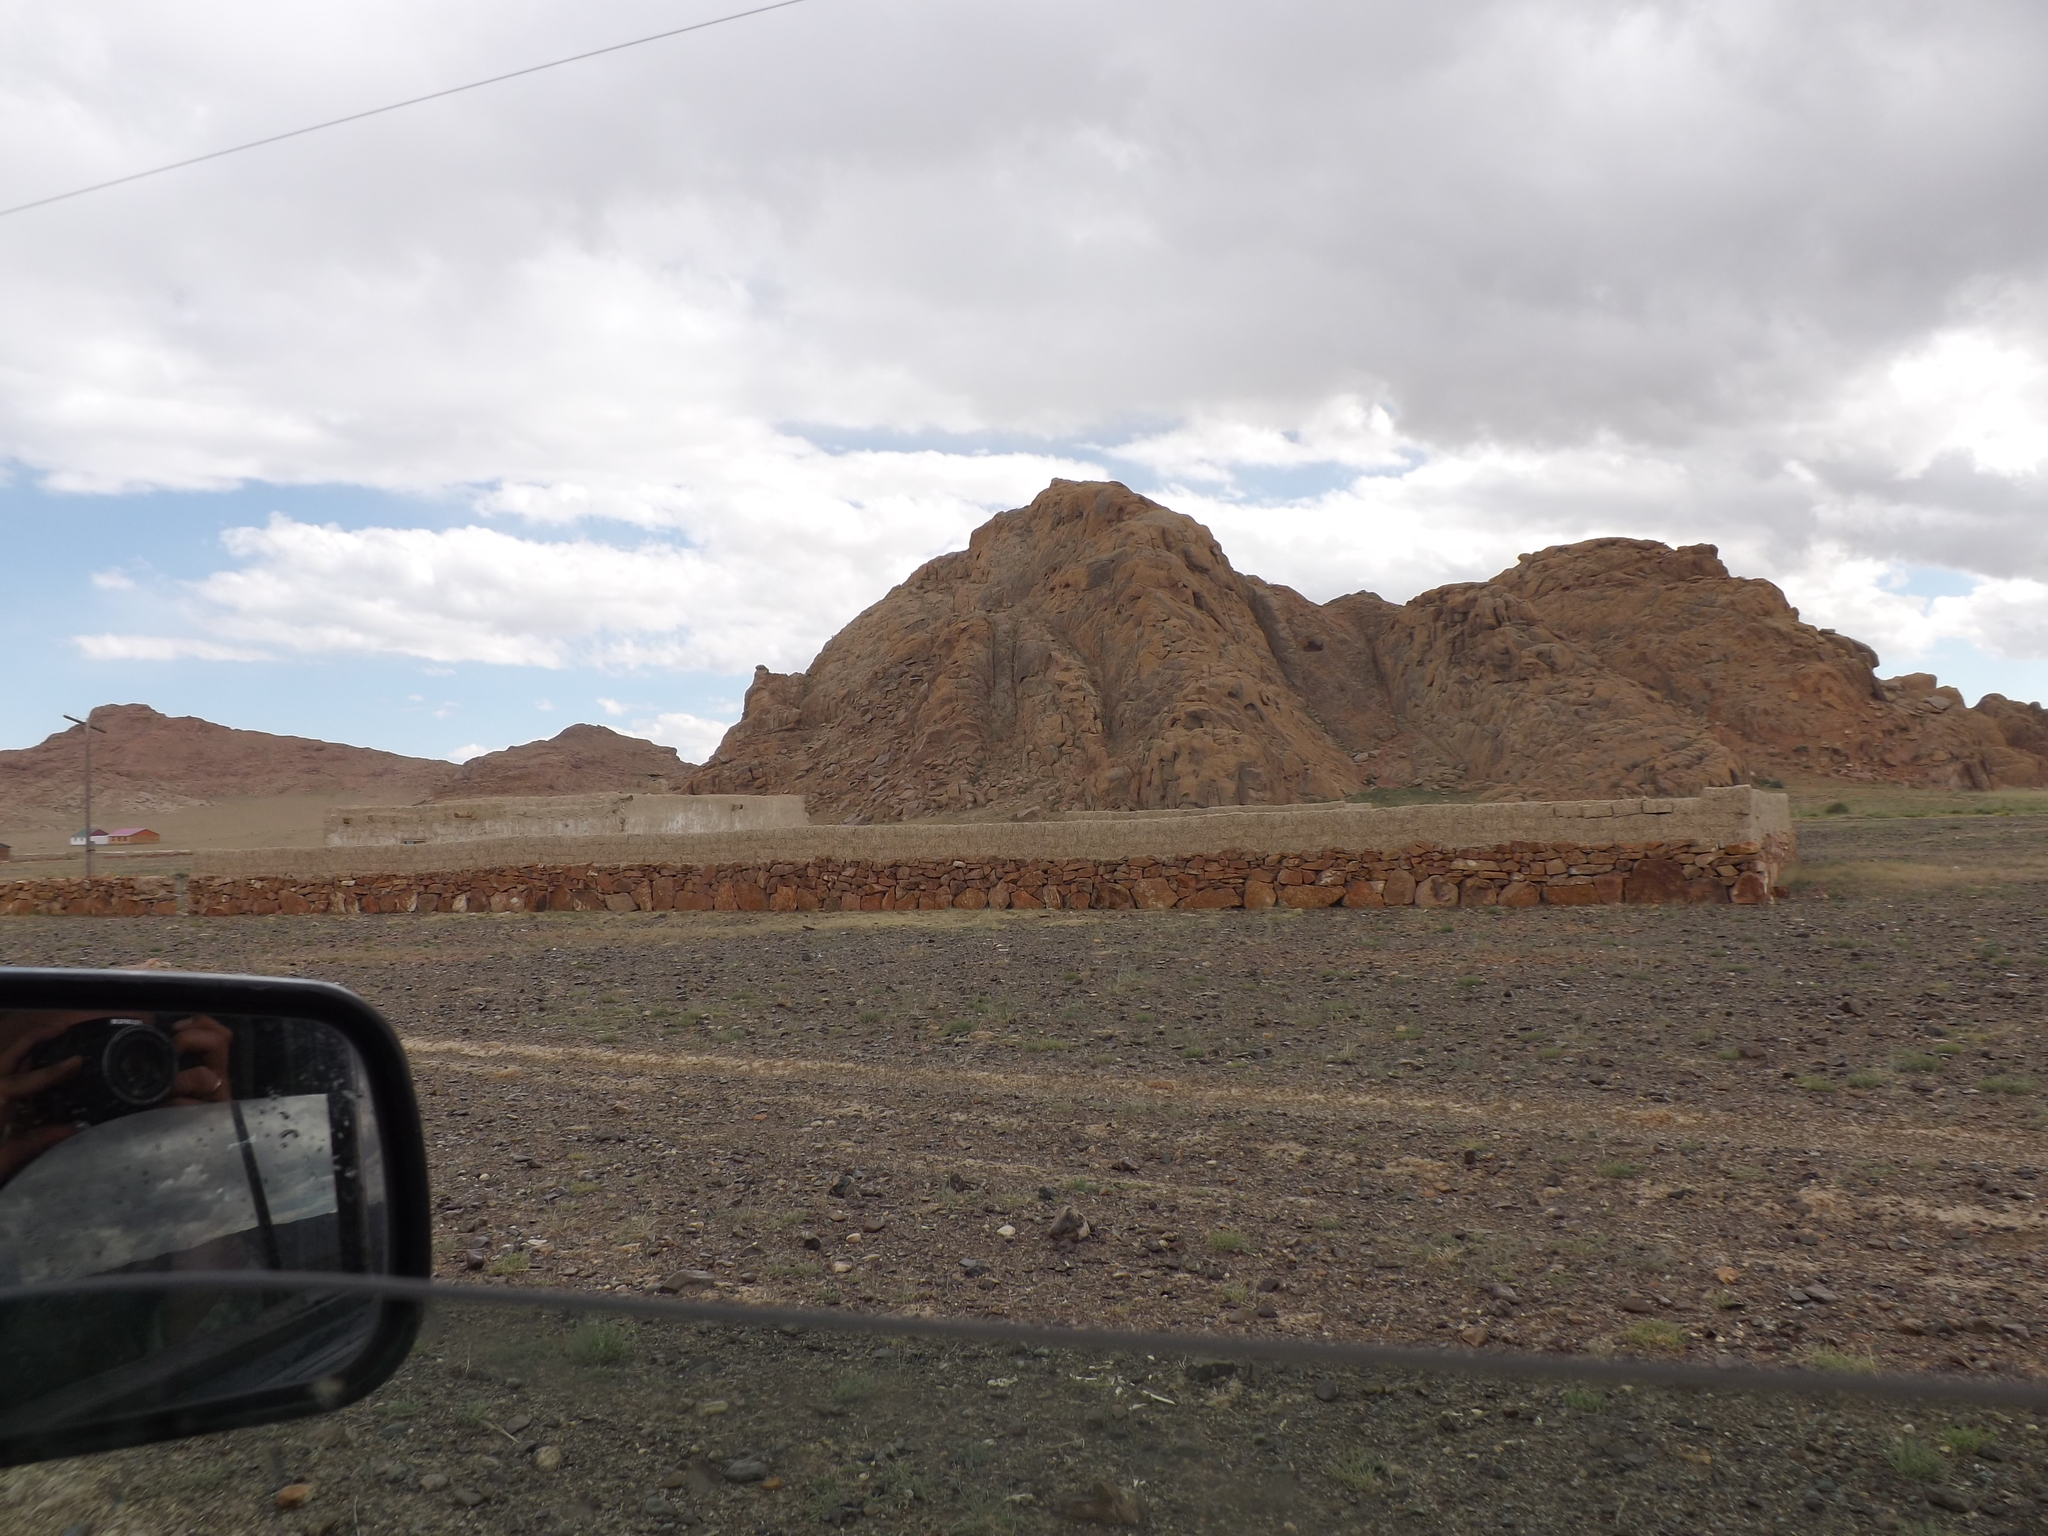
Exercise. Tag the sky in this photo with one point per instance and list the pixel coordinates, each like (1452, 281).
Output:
(577, 397)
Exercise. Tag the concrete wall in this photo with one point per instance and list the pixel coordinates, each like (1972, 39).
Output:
(1717, 818)
(527, 820)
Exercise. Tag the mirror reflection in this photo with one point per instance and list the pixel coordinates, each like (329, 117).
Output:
(137, 1142)
(143, 1141)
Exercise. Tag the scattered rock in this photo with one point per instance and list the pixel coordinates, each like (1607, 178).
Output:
(973, 1268)
(468, 1498)
(294, 1495)
(687, 1280)
(1070, 1225)
(548, 1458)
(1328, 1391)
(1636, 1304)
(433, 1482)
(1947, 1498)
(1472, 1335)
(746, 1469)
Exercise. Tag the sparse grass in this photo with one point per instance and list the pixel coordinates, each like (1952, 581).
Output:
(1408, 1032)
(1082, 1187)
(600, 1343)
(1362, 1472)
(508, 1264)
(1584, 1400)
(2006, 1083)
(1237, 1291)
(849, 1391)
(1946, 1048)
(1915, 1459)
(584, 1187)
(1043, 1044)
(1550, 1053)
(1813, 1084)
(1836, 808)
(1468, 983)
(1916, 1061)
(1223, 1240)
(867, 1016)
(1841, 1361)
(1655, 1333)
(1619, 1170)
(959, 1026)
(1965, 1441)
(1866, 1079)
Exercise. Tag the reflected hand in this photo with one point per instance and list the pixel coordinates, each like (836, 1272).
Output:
(206, 1082)
(21, 1139)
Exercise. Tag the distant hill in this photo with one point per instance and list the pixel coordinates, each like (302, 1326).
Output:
(148, 761)
(1097, 650)
(584, 759)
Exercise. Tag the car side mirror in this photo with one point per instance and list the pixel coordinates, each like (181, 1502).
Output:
(158, 1129)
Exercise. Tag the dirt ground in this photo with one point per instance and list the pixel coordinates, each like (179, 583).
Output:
(546, 1421)
(1802, 1133)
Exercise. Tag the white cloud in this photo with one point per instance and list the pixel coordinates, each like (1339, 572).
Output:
(160, 648)
(113, 581)
(695, 737)
(474, 749)
(1485, 277)
(612, 706)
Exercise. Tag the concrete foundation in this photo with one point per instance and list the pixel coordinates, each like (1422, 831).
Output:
(569, 818)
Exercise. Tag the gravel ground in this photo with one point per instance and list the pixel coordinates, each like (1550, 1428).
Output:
(1805, 1133)
(546, 1421)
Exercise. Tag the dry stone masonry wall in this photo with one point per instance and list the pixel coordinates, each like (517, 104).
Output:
(1508, 875)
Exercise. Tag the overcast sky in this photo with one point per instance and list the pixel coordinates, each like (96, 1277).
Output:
(576, 397)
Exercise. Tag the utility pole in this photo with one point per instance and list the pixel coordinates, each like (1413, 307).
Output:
(89, 729)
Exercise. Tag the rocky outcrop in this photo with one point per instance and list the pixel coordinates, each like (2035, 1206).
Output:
(143, 760)
(1784, 697)
(1095, 650)
(582, 760)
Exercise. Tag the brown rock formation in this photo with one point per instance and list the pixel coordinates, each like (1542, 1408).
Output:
(151, 761)
(584, 759)
(1096, 650)
(1781, 695)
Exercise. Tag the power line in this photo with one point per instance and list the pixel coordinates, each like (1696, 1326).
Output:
(413, 101)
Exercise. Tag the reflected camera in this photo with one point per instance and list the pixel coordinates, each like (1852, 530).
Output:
(127, 1064)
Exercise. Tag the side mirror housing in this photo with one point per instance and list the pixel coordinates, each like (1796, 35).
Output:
(158, 1128)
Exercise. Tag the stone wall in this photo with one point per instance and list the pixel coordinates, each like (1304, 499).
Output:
(102, 896)
(1583, 873)
(531, 817)
(1715, 818)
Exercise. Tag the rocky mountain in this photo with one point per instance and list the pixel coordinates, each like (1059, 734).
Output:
(1097, 650)
(143, 760)
(584, 759)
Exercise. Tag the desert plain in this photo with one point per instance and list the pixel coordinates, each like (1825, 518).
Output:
(1805, 1133)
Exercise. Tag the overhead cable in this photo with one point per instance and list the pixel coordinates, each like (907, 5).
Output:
(396, 106)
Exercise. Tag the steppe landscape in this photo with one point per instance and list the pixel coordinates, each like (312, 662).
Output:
(1798, 1126)
(1804, 1132)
